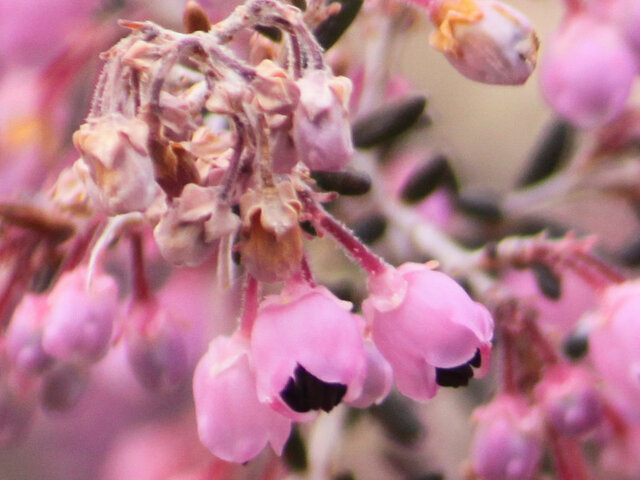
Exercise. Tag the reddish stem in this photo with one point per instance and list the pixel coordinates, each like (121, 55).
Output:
(250, 305)
(140, 284)
(354, 247)
(568, 457)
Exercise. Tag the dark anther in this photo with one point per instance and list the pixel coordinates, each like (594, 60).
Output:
(427, 178)
(307, 392)
(576, 346)
(550, 153)
(308, 227)
(330, 30)
(387, 122)
(547, 280)
(370, 229)
(346, 182)
(454, 377)
(479, 205)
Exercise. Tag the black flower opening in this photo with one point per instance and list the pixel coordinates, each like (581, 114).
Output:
(305, 392)
(458, 376)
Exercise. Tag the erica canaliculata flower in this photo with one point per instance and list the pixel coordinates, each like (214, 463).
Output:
(428, 328)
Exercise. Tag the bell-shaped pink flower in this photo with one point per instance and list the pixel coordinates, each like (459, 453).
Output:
(588, 71)
(507, 444)
(23, 339)
(569, 400)
(613, 345)
(79, 320)
(232, 423)
(308, 351)
(428, 328)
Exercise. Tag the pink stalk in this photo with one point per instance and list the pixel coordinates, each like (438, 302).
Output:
(568, 457)
(354, 247)
(140, 283)
(250, 306)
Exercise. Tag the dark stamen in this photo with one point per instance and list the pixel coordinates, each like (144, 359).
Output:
(458, 376)
(305, 392)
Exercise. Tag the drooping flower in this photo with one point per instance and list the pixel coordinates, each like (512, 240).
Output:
(308, 351)
(507, 444)
(377, 381)
(232, 422)
(485, 40)
(428, 328)
(79, 320)
(569, 400)
(321, 129)
(588, 71)
(613, 345)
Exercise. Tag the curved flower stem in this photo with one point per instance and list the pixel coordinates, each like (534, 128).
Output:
(368, 260)
(141, 289)
(250, 305)
(568, 457)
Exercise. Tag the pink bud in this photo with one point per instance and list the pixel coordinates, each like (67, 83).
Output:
(156, 348)
(485, 40)
(588, 71)
(308, 351)
(507, 444)
(232, 422)
(321, 129)
(428, 329)
(79, 322)
(23, 339)
(569, 400)
(63, 387)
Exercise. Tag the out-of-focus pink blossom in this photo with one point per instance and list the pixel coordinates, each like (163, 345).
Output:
(485, 40)
(23, 340)
(613, 345)
(16, 411)
(588, 71)
(432, 329)
(232, 423)
(79, 321)
(569, 400)
(507, 444)
(156, 347)
(308, 351)
(321, 129)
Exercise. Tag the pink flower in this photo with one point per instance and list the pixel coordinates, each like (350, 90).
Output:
(485, 40)
(232, 423)
(321, 129)
(588, 71)
(428, 329)
(569, 400)
(378, 379)
(308, 351)
(79, 321)
(507, 444)
(23, 340)
(613, 345)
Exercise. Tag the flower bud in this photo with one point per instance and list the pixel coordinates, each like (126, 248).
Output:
(23, 339)
(507, 444)
(321, 129)
(485, 40)
(156, 348)
(79, 321)
(588, 71)
(569, 400)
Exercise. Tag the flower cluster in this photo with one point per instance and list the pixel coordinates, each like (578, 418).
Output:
(171, 281)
